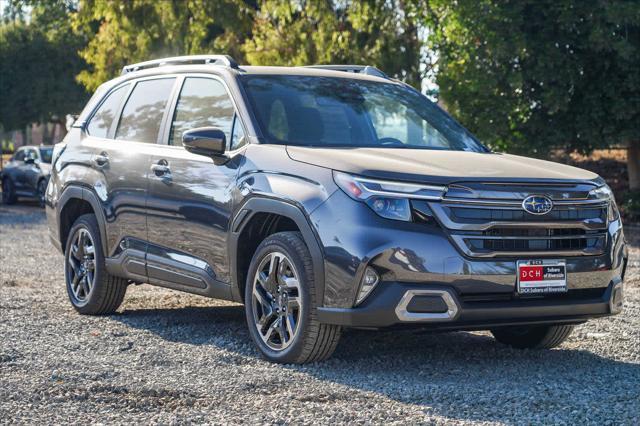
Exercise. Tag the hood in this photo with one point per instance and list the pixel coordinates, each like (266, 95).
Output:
(438, 167)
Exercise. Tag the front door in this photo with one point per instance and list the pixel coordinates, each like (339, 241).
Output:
(190, 196)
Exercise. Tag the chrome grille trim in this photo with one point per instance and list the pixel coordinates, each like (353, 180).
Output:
(472, 202)
(584, 219)
(443, 217)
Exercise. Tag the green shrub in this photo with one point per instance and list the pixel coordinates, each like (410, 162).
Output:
(630, 207)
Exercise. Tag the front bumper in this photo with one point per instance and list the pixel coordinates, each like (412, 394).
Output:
(392, 304)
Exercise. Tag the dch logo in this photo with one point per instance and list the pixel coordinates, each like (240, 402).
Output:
(531, 273)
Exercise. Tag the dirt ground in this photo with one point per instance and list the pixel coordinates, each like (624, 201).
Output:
(169, 357)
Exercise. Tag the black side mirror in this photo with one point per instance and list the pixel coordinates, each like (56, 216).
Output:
(29, 160)
(209, 141)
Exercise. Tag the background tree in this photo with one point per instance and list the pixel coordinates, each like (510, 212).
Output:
(528, 75)
(139, 30)
(38, 64)
(384, 33)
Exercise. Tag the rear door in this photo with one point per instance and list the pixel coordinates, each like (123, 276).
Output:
(190, 195)
(122, 133)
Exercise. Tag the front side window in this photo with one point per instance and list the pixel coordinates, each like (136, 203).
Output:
(142, 114)
(349, 112)
(103, 118)
(19, 155)
(203, 102)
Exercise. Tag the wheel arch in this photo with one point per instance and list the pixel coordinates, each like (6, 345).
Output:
(73, 203)
(286, 214)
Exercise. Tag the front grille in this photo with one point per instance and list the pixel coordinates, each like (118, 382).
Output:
(522, 244)
(475, 215)
(500, 227)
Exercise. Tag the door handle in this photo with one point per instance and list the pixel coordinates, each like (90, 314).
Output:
(101, 159)
(161, 168)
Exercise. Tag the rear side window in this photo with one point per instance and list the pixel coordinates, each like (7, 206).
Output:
(142, 114)
(203, 102)
(103, 118)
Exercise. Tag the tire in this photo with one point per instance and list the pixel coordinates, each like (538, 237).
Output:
(533, 337)
(41, 192)
(91, 289)
(295, 336)
(8, 191)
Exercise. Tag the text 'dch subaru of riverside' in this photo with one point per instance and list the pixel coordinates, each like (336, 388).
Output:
(321, 198)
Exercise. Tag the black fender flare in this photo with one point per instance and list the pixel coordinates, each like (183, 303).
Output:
(289, 209)
(82, 193)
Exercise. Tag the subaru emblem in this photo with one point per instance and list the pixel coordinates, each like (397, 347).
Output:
(537, 204)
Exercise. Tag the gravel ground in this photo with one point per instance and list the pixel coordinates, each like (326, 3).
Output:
(169, 357)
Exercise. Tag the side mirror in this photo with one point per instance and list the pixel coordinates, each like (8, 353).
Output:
(209, 141)
(29, 160)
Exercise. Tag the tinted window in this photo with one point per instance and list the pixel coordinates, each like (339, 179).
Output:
(345, 112)
(142, 114)
(203, 102)
(46, 154)
(19, 155)
(103, 118)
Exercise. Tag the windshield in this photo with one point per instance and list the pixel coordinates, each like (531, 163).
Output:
(46, 154)
(344, 112)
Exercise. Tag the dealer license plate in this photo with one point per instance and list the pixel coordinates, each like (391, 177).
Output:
(542, 276)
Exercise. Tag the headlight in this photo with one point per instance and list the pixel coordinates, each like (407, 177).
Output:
(388, 199)
(604, 193)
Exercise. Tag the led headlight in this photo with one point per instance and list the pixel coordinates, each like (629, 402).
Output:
(388, 199)
(604, 193)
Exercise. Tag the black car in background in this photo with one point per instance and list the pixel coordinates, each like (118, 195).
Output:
(26, 174)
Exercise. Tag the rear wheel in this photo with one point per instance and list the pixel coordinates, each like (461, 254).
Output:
(91, 289)
(280, 303)
(534, 337)
(8, 191)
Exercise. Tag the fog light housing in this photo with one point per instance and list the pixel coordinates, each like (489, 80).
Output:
(617, 298)
(369, 280)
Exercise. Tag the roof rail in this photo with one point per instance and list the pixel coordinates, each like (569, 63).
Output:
(356, 69)
(183, 60)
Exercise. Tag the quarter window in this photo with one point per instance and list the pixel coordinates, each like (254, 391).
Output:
(237, 139)
(203, 102)
(142, 114)
(103, 118)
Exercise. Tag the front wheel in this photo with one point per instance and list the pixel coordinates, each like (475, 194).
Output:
(533, 337)
(281, 306)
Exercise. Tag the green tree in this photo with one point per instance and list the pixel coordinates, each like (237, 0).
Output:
(384, 33)
(528, 75)
(38, 63)
(139, 30)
